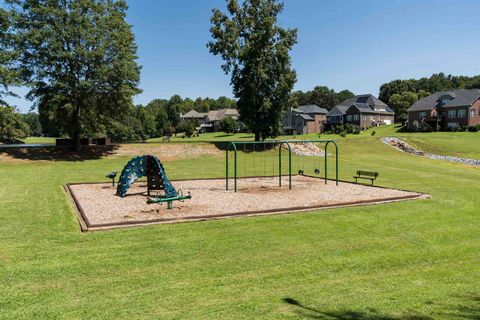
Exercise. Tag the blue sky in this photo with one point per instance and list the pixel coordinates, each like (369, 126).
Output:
(348, 44)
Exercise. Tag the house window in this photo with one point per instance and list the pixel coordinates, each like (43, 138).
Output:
(356, 117)
(462, 113)
(452, 114)
(472, 113)
(364, 117)
(349, 117)
(422, 114)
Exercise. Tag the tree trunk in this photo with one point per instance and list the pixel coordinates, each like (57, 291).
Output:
(77, 146)
(257, 136)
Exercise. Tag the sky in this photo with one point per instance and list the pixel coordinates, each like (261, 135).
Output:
(343, 44)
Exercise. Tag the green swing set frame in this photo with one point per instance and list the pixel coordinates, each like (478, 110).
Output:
(233, 145)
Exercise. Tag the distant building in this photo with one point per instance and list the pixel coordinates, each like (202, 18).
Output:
(363, 110)
(445, 110)
(305, 119)
(210, 121)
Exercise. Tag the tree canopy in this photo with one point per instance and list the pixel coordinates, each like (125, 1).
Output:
(12, 126)
(321, 96)
(436, 82)
(255, 50)
(79, 58)
(9, 72)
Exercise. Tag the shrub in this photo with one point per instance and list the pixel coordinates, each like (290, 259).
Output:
(343, 134)
(473, 128)
(188, 127)
(228, 125)
(373, 133)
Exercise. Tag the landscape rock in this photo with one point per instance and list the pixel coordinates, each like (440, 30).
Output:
(405, 147)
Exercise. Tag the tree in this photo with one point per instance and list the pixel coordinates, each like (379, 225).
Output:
(12, 127)
(80, 58)
(228, 125)
(9, 74)
(255, 51)
(188, 127)
(401, 102)
(322, 96)
(33, 121)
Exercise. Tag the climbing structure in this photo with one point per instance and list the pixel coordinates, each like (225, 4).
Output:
(151, 167)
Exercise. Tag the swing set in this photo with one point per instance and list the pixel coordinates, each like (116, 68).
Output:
(252, 146)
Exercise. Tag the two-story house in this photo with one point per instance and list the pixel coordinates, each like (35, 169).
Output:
(210, 121)
(363, 110)
(305, 119)
(445, 110)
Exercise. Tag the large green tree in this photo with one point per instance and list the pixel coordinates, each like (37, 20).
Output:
(321, 96)
(9, 72)
(400, 102)
(12, 126)
(79, 58)
(255, 50)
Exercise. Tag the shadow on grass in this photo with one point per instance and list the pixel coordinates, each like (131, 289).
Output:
(469, 310)
(59, 153)
(313, 313)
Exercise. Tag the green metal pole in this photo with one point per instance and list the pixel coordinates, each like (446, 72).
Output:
(226, 166)
(336, 162)
(235, 167)
(280, 164)
(326, 165)
(289, 167)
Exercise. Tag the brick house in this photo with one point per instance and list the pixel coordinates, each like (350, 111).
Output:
(210, 121)
(305, 119)
(363, 110)
(445, 110)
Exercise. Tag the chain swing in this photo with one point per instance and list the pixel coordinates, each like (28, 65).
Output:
(301, 171)
(316, 169)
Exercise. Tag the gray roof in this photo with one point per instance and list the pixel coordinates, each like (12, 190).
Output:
(364, 99)
(306, 116)
(457, 98)
(193, 114)
(311, 108)
(363, 107)
(216, 115)
(338, 110)
(364, 103)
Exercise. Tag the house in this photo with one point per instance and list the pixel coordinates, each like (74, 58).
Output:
(363, 110)
(305, 119)
(445, 110)
(210, 121)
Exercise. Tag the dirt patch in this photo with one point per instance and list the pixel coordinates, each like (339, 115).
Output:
(165, 152)
(170, 151)
(101, 208)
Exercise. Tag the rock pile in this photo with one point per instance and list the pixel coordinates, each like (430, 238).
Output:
(405, 147)
(305, 149)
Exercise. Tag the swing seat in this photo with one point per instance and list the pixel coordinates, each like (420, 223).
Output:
(317, 171)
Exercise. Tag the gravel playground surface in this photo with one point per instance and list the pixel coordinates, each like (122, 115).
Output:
(101, 208)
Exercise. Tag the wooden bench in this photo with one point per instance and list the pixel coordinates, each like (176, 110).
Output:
(367, 175)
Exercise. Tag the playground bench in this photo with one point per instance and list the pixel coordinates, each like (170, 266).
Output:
(367, 175)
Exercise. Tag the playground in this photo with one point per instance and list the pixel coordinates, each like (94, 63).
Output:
(292, 182)
(100, 208)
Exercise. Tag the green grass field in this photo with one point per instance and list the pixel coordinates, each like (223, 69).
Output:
(40, 140)
(409, 260)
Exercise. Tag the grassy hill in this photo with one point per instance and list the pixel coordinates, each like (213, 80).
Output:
(408, 260)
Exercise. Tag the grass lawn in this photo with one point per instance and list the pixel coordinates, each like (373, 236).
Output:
(39, 140)
(460, 144)
(408, 260)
